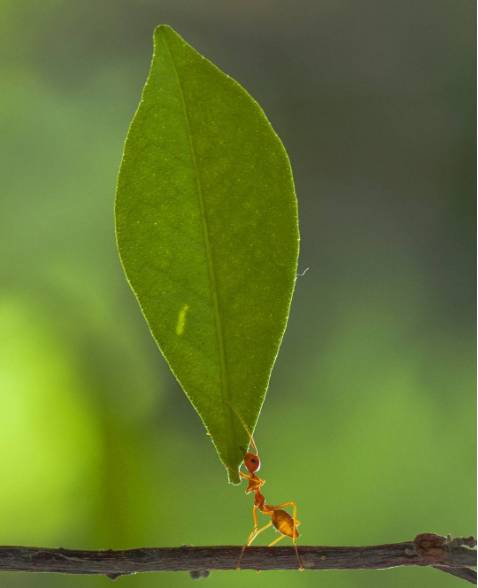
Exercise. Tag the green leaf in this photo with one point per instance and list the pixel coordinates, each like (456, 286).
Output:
(207, 229)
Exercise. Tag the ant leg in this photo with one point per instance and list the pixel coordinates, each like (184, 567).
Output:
(258, 483)
(252, 535)
(251, 538)
(296, 523)
(277, 540)
(245, 477)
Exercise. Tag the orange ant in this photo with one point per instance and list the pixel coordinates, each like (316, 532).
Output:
(285, 524)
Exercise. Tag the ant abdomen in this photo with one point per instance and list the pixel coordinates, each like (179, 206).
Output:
(284, 523)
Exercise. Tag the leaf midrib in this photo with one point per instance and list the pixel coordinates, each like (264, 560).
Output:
(209, 256)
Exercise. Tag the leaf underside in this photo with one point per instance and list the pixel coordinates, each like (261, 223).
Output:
(207, 230)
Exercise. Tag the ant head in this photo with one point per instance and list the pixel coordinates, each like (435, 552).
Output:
(252, 462)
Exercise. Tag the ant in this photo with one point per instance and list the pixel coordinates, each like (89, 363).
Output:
(283, 522)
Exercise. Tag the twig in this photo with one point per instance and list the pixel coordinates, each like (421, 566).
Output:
(463, 573)
(455, 556)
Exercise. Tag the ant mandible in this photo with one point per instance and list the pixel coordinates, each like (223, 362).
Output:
(283, 522)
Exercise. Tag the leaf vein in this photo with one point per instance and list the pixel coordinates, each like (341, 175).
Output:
(209, 255)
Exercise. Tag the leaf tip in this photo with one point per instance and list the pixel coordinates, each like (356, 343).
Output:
(164, 30)
(233, 476)
(162, 27)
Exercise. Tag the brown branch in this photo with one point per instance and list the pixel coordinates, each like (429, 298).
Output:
(455, 556)
(463, 573)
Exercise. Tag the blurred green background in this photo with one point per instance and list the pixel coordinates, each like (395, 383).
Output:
(369, 420)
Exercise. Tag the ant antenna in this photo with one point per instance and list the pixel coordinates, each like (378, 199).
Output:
(245, 427)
